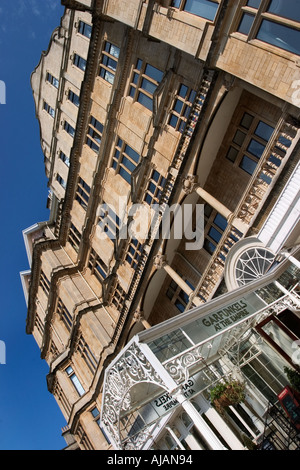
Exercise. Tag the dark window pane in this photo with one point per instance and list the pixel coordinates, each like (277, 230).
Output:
(264, 131)
(145, 101)
(148, 86)
(232, 154)
(204, 8)
(154, 73)
(253, 3)
(183, 91)
(220, 221)
(247, 121)
(255, 148)
(239, 138)
(132, 154)
(173, 120)
(246, 23)
(178, 106)
(286, 8)
(248, 165)
(280, 36)
(214, 234)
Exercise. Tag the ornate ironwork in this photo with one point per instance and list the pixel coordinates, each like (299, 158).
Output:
(131, 369)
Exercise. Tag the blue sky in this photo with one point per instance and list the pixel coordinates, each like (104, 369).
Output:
(30, 419)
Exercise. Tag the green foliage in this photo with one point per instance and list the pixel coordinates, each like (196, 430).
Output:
(293, 377)
(227, 393)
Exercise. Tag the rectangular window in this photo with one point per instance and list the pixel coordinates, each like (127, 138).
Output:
(215, 224)
(87, 355)
(61, 181)
(97, 266)
(277, 23)
(79, 62)
(95, 132)
(249, 142)
(44, 283)
(109, 222)
(49, 109)
(125, 160)
(52, 80)
(205, 8)
(182, 107)
(83, 193)
(85, 29)
(64, 158)
(69, 129)
(74, 237)
(155, 188)
(64, 314)
(118, 297)
(73, 98)
(109, 62)
(96, 415)
(177, 295)
(134, 252)
(75, 381)
(144, 82)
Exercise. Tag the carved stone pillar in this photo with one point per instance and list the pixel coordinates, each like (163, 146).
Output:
(160, 263)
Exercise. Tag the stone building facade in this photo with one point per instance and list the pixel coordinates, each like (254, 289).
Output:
(147, 108)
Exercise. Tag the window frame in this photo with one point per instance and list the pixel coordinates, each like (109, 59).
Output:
(74, 237)
(106, 56)
(64, 314)
(75, 380)
(137, 90)
(94, 132)
(97, 266)
(79, 62)
(123, 162)
(49, 110)
(260, 15)
(181, 6)
(182, 115)
(158, 188)
(52, 80)
(82, 26)
(83, 192)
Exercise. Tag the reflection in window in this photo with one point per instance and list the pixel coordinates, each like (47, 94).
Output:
(205, 8)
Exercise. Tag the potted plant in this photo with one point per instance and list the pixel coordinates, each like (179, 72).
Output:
(227, 393)
(293, 377)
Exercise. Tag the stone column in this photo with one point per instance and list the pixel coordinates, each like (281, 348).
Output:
(138, 317)
(208, 435)
(190, 185)
(160, 263)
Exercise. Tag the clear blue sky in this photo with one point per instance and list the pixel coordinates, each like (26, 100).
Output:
(30, 419)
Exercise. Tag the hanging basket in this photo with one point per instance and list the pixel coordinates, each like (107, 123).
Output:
(227, 394)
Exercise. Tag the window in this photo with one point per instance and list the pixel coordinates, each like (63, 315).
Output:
(177, 295)
(39, 325)
(79, 62)
(85, 29)
(96, 415)
(182, 107)
(73, 98)
(74, 237)
(215, 224)
(49, 110)
(249, 142)
(144, 82)
(52, 80)
(109, 222)
(83, 193)
(118, 298)
(109, 62)
(97, 266)
(69, 129)
(125, 160)
(61, 181)
(155, 188)
(277, 24)
(75, 381)
(134, 252)
(205, 8)
(64, 158)
(44, 283)
(64, 314)
(87, 355)
(95, 131)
